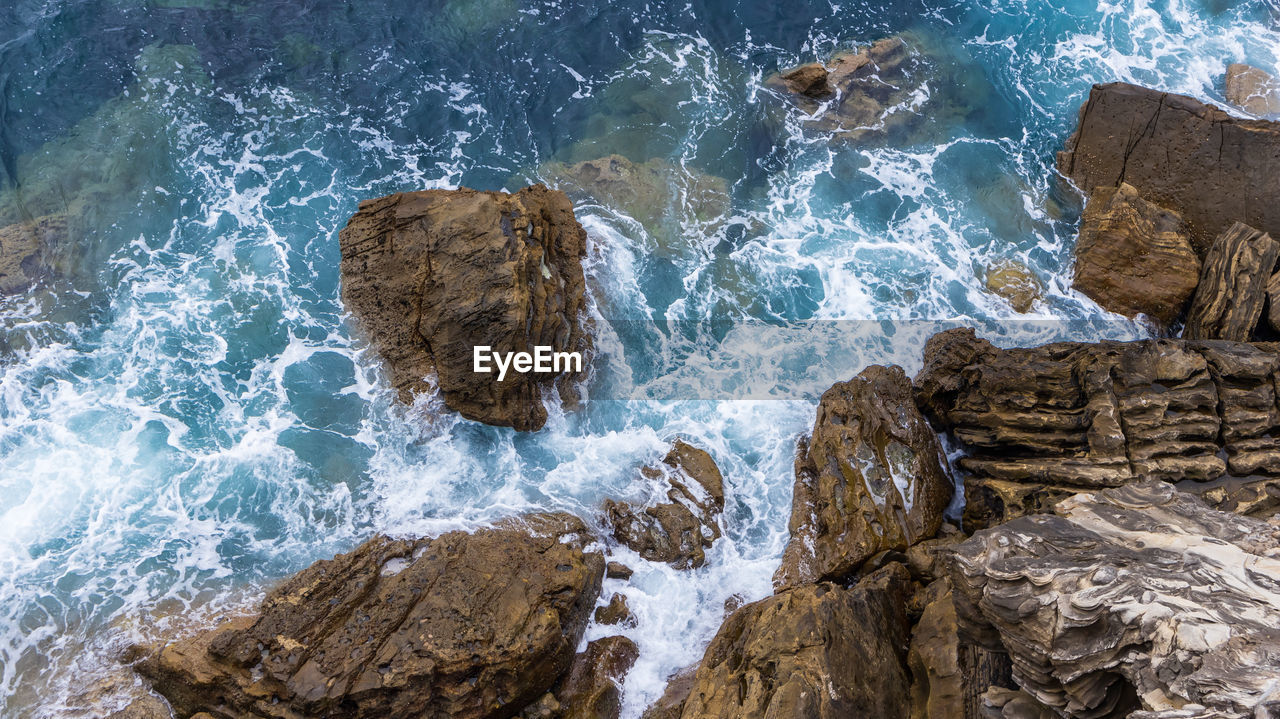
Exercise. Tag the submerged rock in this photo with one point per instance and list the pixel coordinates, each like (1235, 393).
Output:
(462, 625)
(818, 651)
(1213, 169)
(1016, 283)
(1135, 598)
(871, 477)
(432, 275)
(1233, 285)
(591, 688)
(678, 530)
(1253, 90)
(1134, 257)
(24, 251)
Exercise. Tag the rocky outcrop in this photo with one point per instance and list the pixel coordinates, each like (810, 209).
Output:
(949, 674)
(591, 690)
(1016, 283)
(432, 275)
(1253, 90)
(24, 251)
(678, 530)
(817, 651)
(1126, 599)
(1233, 285)
(1134, 257)
(615, 612)
(463, 625)
(671, 704)
(1213, 169)
(871, 477)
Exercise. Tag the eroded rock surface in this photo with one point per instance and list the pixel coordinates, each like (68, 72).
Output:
(433, 274)
(1134, 257)
(1252, 89)
(676, 531)
(24, 250)
(1133, 598)
(463, 625)
(1213, 169)
(671, 704)
(1233, 285)
(1016, 283)
(591, 690)
(818, 651)
(949, 674)
(871, 477)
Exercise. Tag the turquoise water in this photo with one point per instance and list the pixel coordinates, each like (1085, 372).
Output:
(187, 415)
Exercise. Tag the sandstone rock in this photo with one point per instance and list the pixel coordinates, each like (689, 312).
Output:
(617, 570)
(1134, 598)
(24, 248)
(1257, 498)
(923, 558)
(1012, 280)
(1211, 168)
(871, 477)
(591, 690)
(950, 675)
(1273, 302)
(431, 275)
(615, 612)
(1001, 703)
(809, 80)
(671, 704)
(1233, 285)
(1134, 257)
(144, 707)
(1253, 90)
(678, 530)
(818, 651)
(989, 502)
(463, 625)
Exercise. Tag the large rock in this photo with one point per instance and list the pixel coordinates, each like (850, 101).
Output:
(817, 651)
(671, 704)
(1134, 257)
(1233, 285)
(25, 249)
(1135, 598)
(1193, 158)
(1015, 282)
(949, 674)
(592, 688)
(463, 625)
(432, 275)
(872, 477)
(1253, 90)
(1101, 414)
(678, 530)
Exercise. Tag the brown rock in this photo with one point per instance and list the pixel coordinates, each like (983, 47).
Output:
(1134, 257)
(809, 80)
(1273, 302)
(671, 704)
(144, 707)
(431, 275)
(1012, 280)
(24, 250)
(923, 557)
(1233, 285)
(872, 477)
(949, 675)
(678, 530)
(463, 625)
(817, 651)
(1257, 498)
(1253, 90)
(617, 570)
(592, 690)
(1212, 168)
(615, 612)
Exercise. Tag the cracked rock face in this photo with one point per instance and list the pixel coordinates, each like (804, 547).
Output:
(431, 275)
(1128, 599)
(463, 625)
(1233, 285)
(1179, 153)
(871, 477)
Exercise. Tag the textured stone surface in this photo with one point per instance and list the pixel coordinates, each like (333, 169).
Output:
(1253, 90)
(1100, 414)
(678, 530)
(1012, 280)
(818, 651)
(671, 704)
(463, 625)
(591, 690)
(1134, 257)
(1233, 285)
(871, 477)
(24, 251)
(615, 612)
(1193, 158)
(1138, 597)
(431, 275)
(949, 674)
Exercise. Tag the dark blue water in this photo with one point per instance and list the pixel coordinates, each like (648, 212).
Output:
(186, 415)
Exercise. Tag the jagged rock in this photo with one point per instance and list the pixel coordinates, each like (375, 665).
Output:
(818, 651)
(1002, 703)
(615, 612)
(1233, 285)
(949, 675)
(871, 477)
(432, 275)
(463, 625)
(678, 530)
(1258, 498)
(1273, 302)
(1134, 257)
(617, 570)
(1211, 168)
(1012, 280)
(1094, 415)
(809, 80)
(1253, 90)
(591, 689)
(671, 704)
(988, 502)
(144, 707)
(1133, 598)
(24, 248)
(923, 558)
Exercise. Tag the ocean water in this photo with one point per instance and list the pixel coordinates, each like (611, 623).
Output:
(187, 413)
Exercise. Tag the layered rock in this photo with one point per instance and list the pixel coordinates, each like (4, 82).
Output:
(1134, 257)
(871, 477)
(432, 275)
(1253, 90)
(1233, 285)
(1016, 283)
(592, 688)
(24, 251)
(950, 675)
(463, 625)
(1213, 169)
(818, 651)
(1134, 598)
(678, 530)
